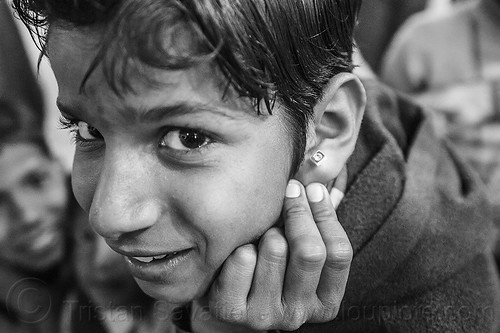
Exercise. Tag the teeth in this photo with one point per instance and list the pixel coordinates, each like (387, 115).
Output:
(44, 240)
(160, 257)
(144, 259)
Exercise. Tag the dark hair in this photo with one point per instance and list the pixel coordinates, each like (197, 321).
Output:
(285, 50)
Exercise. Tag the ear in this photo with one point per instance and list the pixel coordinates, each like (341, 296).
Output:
(337, 120)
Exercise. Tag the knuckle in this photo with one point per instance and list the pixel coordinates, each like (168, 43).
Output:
(261, 321)
(231, 314)
(245, 255)
(324, 212)
(297, 316)
(274, 247)
(338, 264)
(339, 254)
(327, 311)
(310, 250)
(273, 235)
(296, 210)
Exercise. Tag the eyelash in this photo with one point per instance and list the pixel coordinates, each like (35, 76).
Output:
(66, 123)
(181, 153)
(71, 124)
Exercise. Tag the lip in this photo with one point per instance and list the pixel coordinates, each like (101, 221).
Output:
(161, 270)
(42, 242)
(26, 235)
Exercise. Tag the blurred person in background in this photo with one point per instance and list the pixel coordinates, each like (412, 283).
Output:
(451, 63)
(107, 298)
(33, 204)
(34, 198)
(379, 20)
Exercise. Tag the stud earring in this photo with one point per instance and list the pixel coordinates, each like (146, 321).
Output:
(318, 157)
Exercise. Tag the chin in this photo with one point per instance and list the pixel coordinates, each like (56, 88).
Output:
(176, 294)
(42, 262)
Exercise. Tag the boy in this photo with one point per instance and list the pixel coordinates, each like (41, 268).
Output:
(34, 198)
(192, 116)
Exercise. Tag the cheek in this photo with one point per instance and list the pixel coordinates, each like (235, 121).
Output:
(84, 179)
(236, 205)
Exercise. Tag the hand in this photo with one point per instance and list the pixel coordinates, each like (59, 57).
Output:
(263, 290)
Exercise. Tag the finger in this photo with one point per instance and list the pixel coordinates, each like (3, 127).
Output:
(335, 271)
(307, 251)
(339, 187)
(264, 301)
(229, 293)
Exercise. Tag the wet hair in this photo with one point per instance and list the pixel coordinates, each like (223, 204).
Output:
(267, 50)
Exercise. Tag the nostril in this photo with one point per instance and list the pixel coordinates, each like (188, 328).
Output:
(114, 220)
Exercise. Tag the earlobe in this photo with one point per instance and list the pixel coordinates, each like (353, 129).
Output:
(335, 130)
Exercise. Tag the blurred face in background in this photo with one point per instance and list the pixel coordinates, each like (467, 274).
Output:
(101, 272)
(33, 203)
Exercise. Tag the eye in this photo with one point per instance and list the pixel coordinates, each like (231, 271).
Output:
(35, 180)
(87, 132)
(83, 134)
(185, 139)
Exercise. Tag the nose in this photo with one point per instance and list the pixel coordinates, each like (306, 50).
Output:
(28, 211)
(124, 200)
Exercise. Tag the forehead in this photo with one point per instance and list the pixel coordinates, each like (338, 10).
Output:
(16, 160)
(72, 52)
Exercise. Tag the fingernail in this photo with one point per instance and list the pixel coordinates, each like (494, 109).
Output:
(314, 192)
(292, 190)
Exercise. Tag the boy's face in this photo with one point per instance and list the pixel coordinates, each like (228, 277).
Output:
(33, 200)
(170, 169)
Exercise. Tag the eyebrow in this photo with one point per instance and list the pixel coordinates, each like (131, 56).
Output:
(157, 114)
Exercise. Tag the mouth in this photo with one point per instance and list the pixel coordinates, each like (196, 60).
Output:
(41, 241)
(158, 267)
(46, 239)
(158, 257)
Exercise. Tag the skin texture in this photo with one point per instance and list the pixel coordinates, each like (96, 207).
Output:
(33, 200)
(149, 199)
(176, 167)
